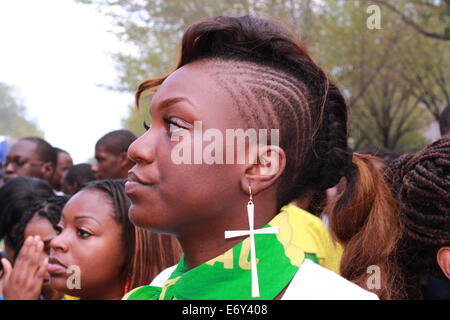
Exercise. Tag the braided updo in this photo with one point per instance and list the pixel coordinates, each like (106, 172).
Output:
(422, 182)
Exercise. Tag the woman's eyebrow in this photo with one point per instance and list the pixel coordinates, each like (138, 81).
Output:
(87, 217)
(171, 101)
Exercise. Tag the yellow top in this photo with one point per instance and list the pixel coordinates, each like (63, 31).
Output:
(314, 237)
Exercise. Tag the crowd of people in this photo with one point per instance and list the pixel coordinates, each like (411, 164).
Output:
(326, 222)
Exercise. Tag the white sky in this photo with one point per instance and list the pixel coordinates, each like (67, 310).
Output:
(56, 53)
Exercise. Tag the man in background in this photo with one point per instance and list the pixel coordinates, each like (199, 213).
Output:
(64, 161)
(30, 157)
(111, 155)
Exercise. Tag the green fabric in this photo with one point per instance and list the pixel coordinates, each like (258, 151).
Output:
(144, 293)
(208, 282)
(312, 257)
(228, 276)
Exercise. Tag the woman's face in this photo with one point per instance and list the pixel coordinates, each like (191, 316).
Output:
(40, 226)
(183, 198)
(89, 247)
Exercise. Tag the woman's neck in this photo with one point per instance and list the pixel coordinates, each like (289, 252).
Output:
(113, 292)
(207, 240)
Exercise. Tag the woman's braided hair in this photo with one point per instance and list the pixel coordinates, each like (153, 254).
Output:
(50, 209)
(275, 84)
(422, 185)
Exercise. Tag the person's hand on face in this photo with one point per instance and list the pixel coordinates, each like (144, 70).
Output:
(24, 280)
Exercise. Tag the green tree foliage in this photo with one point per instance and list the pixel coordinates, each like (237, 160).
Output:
(395, 79)
(135, 119)
(387, 106)
(430, 18)
(13, 120)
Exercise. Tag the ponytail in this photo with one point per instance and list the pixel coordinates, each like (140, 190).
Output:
(154, 252)
(363, 219)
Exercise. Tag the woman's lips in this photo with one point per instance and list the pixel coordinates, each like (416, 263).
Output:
(55, 267)
(134, 182)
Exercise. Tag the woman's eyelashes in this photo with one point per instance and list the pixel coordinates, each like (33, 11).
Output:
(59, 229)
(83, 233)
(175, 127)
(146, 126)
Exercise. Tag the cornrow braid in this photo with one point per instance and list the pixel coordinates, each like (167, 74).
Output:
(422, 184)
(50, 209)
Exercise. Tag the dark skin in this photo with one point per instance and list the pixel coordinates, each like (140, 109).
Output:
(23, 160)
(64, 161)
(110, 165)
(91, 240)
(198, 203)
(24, 281)
(21, 281)
(68, 188)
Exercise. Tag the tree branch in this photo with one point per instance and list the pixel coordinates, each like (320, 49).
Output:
(410, 22)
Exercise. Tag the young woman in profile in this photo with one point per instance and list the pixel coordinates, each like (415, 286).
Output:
(99, 245)
(250, 73)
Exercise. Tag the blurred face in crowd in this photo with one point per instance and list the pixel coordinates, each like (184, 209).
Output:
(23, 160)
(66, 187)
(64, 161)
(91, 241)
(40, 226)
(109, 165)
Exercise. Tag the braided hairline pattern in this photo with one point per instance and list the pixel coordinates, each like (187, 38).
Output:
(313, 132)
(311, 109)
(270, 99)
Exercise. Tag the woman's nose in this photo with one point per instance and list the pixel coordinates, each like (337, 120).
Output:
(60, 242)
(141, 151)
(10, 168)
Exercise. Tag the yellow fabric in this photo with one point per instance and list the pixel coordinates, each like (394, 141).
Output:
(313, 237)
(67, 297)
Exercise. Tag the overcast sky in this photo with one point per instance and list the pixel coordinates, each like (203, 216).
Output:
(56, 53)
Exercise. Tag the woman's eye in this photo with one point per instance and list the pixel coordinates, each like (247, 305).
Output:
(83, 234)
(175, 130)
(20, 162)
(59, 229)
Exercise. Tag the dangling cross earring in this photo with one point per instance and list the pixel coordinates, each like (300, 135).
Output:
(251, 233)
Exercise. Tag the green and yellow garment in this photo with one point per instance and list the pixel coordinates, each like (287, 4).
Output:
(228, 276)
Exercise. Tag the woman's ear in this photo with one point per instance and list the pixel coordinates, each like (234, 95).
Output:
(443, 260)
(267, 163)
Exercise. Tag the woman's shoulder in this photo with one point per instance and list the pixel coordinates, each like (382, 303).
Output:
(314, 282)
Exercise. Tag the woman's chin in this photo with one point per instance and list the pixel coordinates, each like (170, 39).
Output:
(138, 216)
(60, 284)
